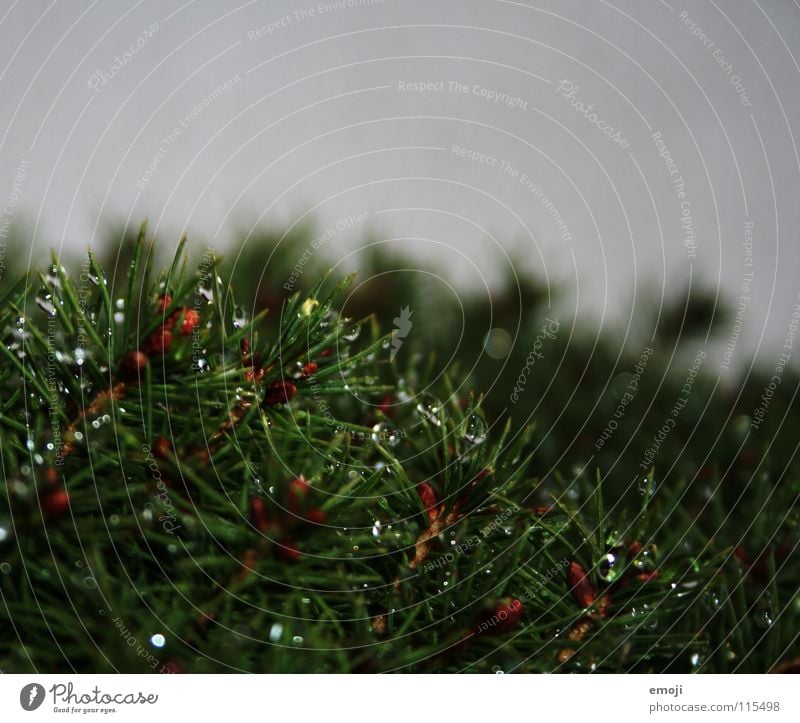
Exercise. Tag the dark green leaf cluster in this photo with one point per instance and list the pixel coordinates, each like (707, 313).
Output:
(189, 486)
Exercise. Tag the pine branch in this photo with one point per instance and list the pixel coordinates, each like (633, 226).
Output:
(271, 493)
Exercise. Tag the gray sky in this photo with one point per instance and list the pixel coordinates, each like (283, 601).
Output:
(461, 129)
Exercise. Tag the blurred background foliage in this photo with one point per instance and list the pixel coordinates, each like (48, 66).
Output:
(576, 386)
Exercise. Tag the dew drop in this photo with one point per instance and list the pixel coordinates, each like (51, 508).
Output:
(52, 277)
(239, 317)
(647, 487)
(763, 619)
(476, 430)
(5, 531)
(430, 409)
(352, 333)
(205, 291)
(158, 640)
(712, 599)
(45, 303)
(646, 558)
(607, 567)
(382, 432)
